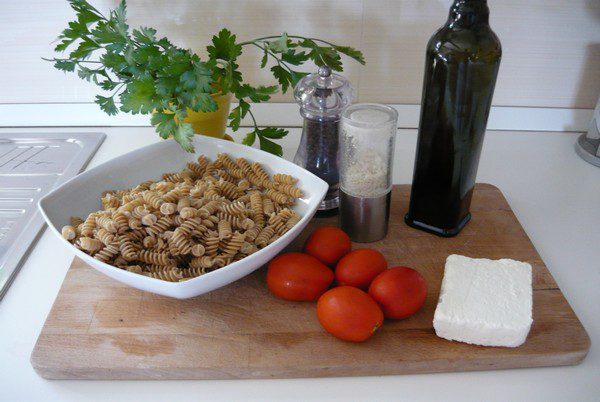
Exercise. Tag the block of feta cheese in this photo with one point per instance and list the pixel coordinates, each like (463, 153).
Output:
(484, 302)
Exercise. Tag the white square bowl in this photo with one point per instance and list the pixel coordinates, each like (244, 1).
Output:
(81, 195)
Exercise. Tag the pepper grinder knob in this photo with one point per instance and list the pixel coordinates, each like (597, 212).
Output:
(324, 71)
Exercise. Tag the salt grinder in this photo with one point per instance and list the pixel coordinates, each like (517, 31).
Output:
(322, 96)
(367, 137)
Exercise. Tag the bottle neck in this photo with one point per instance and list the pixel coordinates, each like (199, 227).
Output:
(468, 13)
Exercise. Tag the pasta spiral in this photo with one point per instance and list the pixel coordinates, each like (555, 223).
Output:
(150, 257)
(68, 232)
(152, 199)
(290, 190)
(236, 208)
(284, 178)
(128, 250)
(90, 244)
(234, 244)
(257, 206)
(105, 236)
(89, 225)
(278, 197)
(264, 236)
(162, 225)
(196, 168)
(168, 208)
(107, 253)
(169, 275)
(224, 228)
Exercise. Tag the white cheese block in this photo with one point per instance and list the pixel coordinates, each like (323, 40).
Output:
(484, 302)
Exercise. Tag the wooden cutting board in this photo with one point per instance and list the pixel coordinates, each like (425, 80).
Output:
(101, 329)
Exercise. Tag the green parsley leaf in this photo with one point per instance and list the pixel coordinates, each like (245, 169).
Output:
(238, 113)
(265, 58)
(224, 46)
(323, 55)
(87, 16)
(63, 45)
(203, 102)
(85, 73)
(228, 78)
(108, 85)
(283, 77)
(328, 57)
(107, 105)
(280, 45)
(139, 97)
(256, 94)
(351, 52)
(145, 35)
(296, 76)
(82, 6)
(164, 123)
(166, 86)
(164, 43)
(84, 50)
(107, 35)
(273, 132)
(119, 15)
(64, 65)
(270, 146)
(148, 56)
(250, 138)
(183, 134)
(198, 79)
(294, 58)
(114, 61)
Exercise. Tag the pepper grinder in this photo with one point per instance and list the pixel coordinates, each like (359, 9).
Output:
(322, 96)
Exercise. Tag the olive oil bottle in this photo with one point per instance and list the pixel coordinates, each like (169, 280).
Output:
(461, 66)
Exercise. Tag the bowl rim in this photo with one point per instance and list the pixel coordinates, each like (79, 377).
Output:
(165, 143)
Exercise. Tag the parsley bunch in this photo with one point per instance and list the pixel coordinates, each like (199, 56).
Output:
(153, 76)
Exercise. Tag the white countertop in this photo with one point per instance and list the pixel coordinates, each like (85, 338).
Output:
(554, 194)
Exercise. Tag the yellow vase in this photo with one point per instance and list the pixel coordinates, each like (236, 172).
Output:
(212, 124)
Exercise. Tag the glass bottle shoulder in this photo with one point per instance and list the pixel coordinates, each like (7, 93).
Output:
(478, 43)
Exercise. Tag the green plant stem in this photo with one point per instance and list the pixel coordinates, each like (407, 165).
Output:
(118, 89)
(77, 61)
(249, 42)
(282, 63)
(253, 120)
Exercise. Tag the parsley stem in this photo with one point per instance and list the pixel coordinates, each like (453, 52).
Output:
(281, 63)
(117, 90)
(92, 40)
(94, 9)
(78, 61)
(253, 119)
(253, 41)
(313, 39)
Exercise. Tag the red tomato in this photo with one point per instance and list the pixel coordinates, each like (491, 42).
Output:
(328, 244)
(349, 313)
(298, 276)
(400, 291)
(359, 267)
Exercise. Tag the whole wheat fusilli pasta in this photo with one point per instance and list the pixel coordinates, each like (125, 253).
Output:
(190, 222)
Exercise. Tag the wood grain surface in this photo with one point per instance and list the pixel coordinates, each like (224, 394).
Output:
(101, 329)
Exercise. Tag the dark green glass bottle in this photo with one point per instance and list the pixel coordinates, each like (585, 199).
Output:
(461, 67)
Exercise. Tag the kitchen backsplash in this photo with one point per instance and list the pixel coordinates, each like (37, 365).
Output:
(551, 48)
